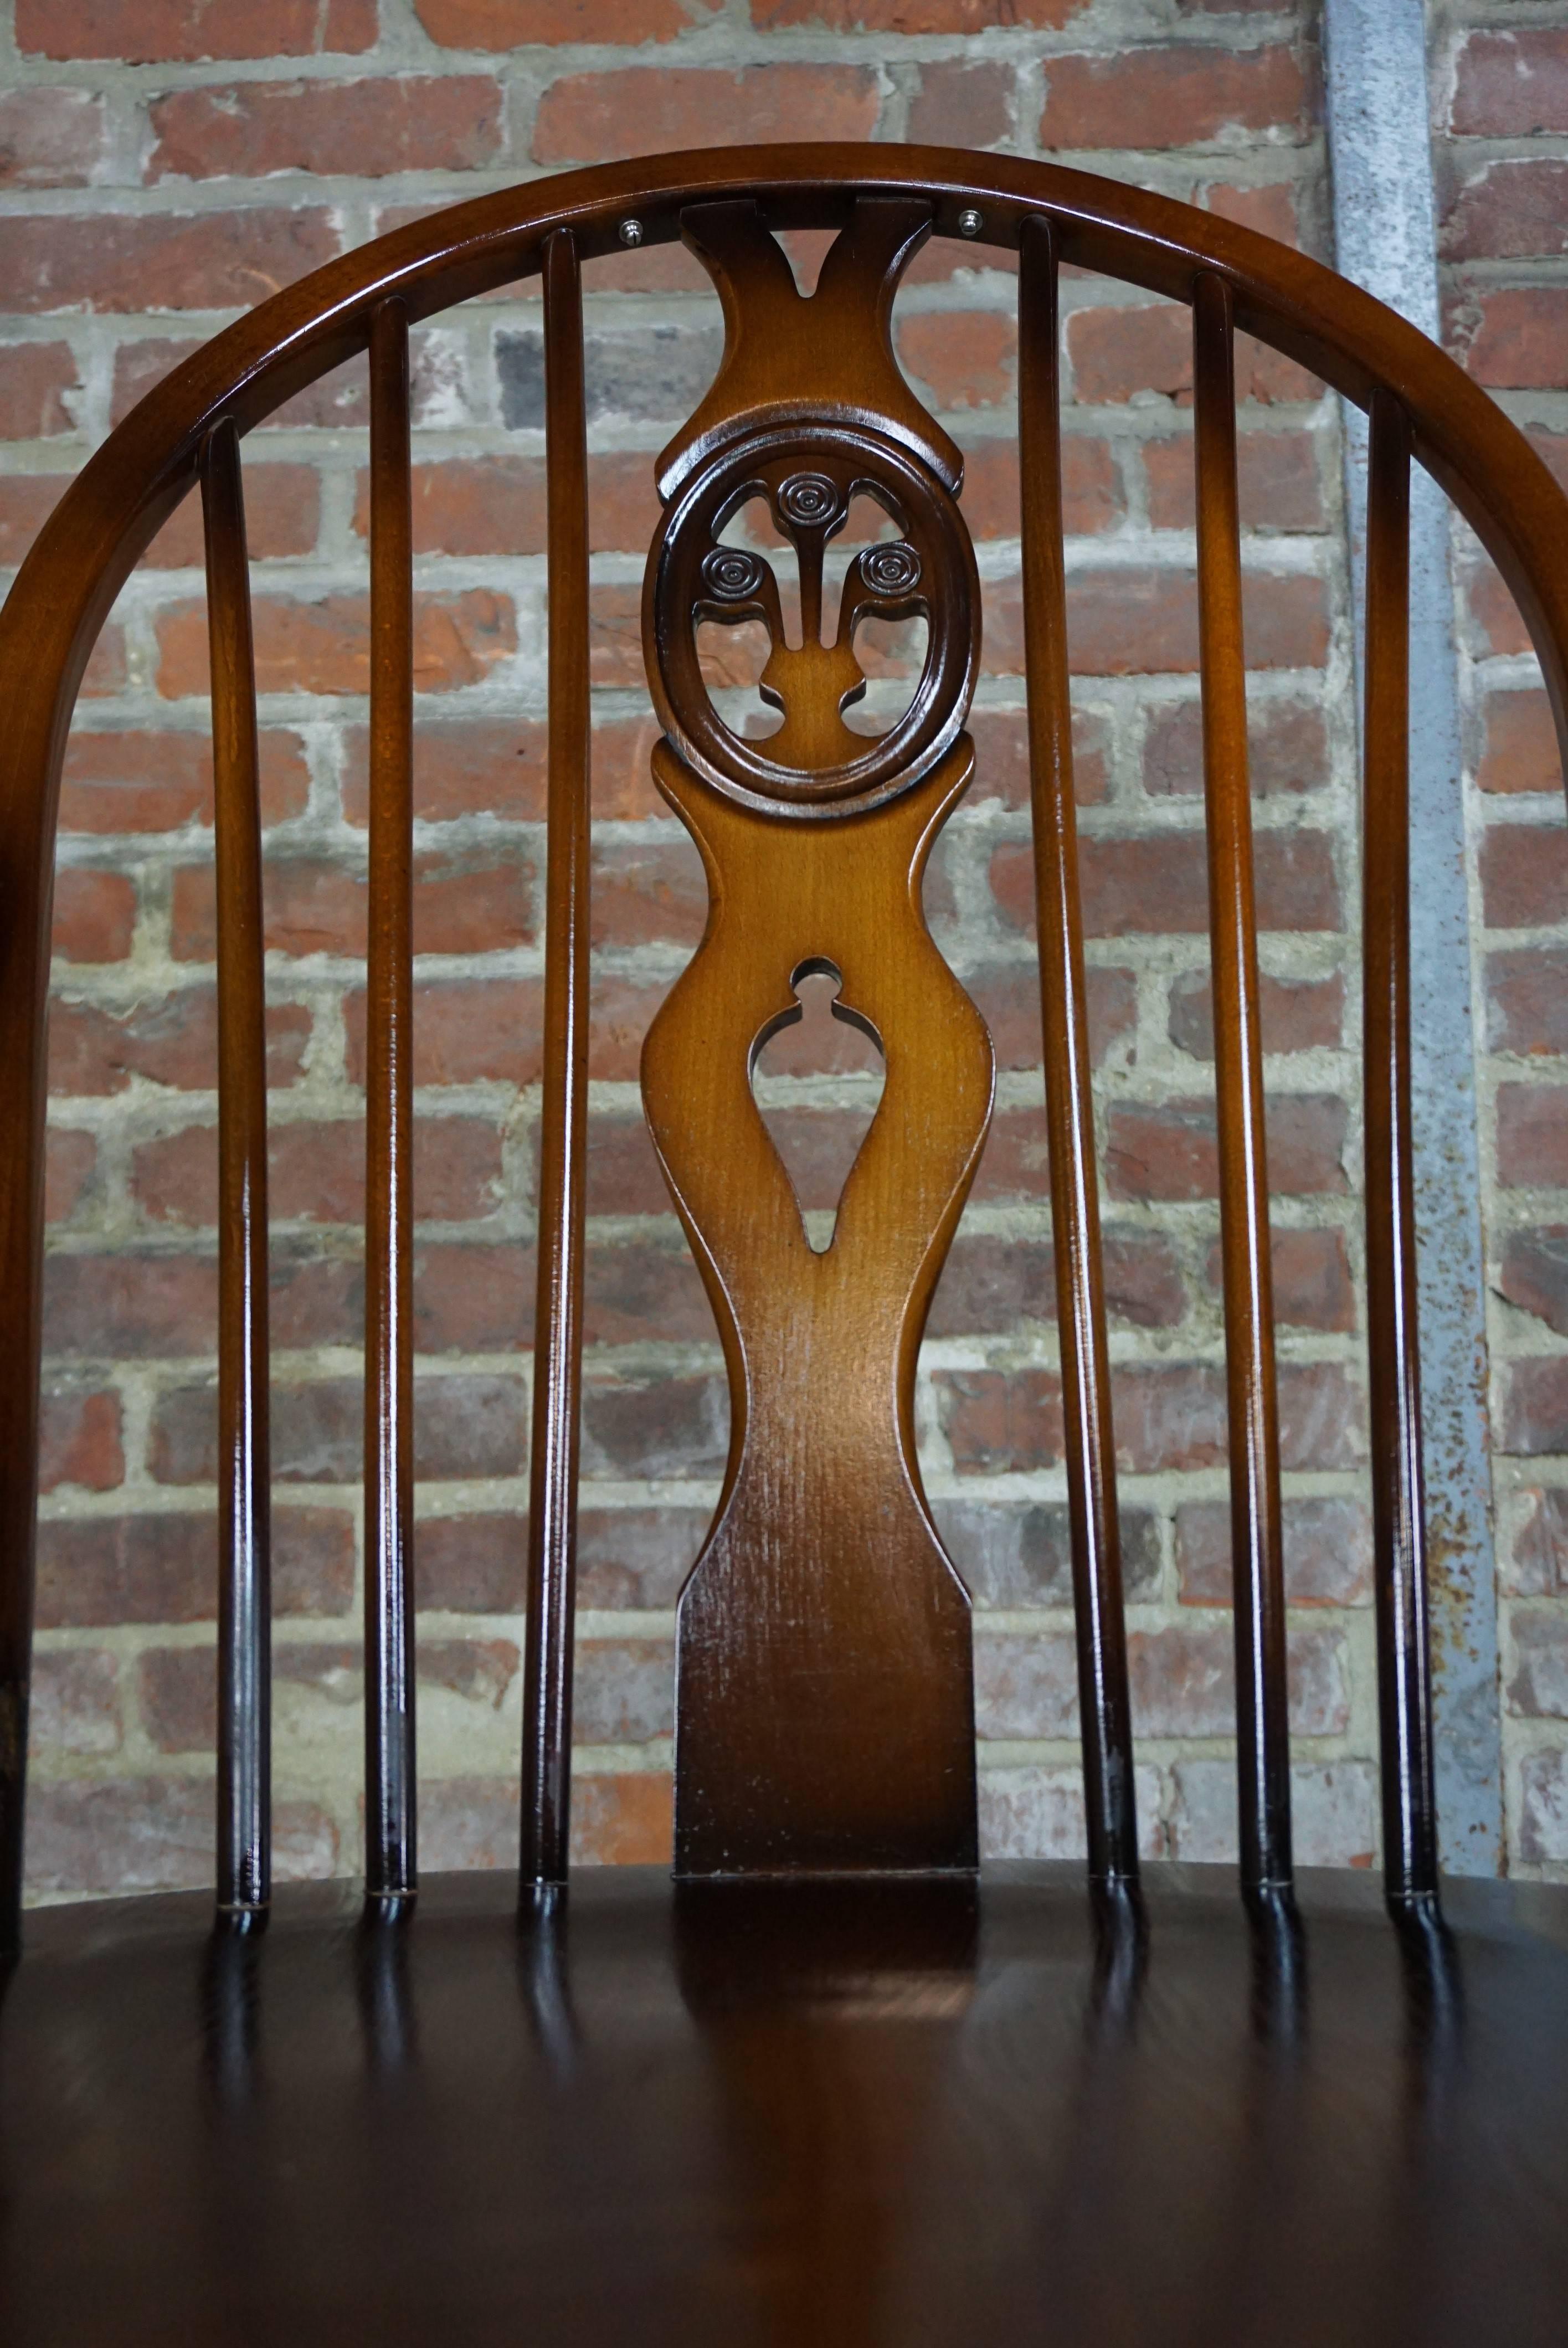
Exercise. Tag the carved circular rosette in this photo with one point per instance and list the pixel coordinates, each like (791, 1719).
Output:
(809, 476)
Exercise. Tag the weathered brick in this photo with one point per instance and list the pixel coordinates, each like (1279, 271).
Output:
(1543, 1811)
(1509, 85)
(914, 16)
(154, 781)
(624, 1820)
(129, 1307)
(324, 646)
(1311, 1283)
(1037, 1813)
(170, 1039)
(282, 517)
(660, 1426)
(95, 915)
(1519, 746)
(624, 1690)
(632, 374)
(1538, 1688)
(960, 358)
(1181, 94)
(1327, 1553)
(178, 1686)
(1183, 1680)
(37, 380)
(647, 892)
(339, 397)
(1333, 1812)
(1092, 498)
(464, 1426)
(1020, 1557)
(1511, 338)
(78, 1442)
(597, 117)
(1277, 477)
(1513, 208)
(1524, 874)
(153, 1834)
(520, 24)
(70, 1161)
(647, 1294)
(160, 261)
(1297, 1014)
(402, 122)
(466, 901)
(630, 1558)
(1173, 1417)
(1527, 1012)
(1008, 996)
(1493, 621)
(1170, 1149)
(74, 1702)
(1539, 1565)
(96, 1570)
(316, 1171)
(1026, 1685)
(164, 31)
(1157, 883)
(1133, 351)
(991, 1284)
(49, 137)
(960, 105)
(1535, 1412)
(1132, 623)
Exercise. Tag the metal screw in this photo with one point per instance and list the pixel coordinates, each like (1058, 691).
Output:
(631, 231)
(970, 222)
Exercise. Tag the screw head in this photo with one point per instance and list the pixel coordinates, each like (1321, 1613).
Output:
(630, 232)
(970, 222)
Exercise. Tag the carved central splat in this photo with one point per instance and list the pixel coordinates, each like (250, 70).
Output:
(825, 1695)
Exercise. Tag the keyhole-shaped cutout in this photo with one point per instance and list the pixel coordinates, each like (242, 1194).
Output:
(818, 1077)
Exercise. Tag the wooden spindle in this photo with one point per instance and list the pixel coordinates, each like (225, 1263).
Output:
(558, 1316)
(1404, 1669)
(244, 1500)
(391, 1851)
(1103, 1699)
(1252, 1409)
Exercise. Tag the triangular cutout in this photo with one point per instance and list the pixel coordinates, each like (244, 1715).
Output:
(818, 1077)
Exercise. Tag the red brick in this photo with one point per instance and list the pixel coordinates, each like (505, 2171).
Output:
(1128, 622)
(472, 1564)
(912, 17)
(164, 1569)
(1156, 884)
(160, 261)
(1513, 208)
(1008, 996)
(1519, 748)
(495, 505)
(1276, 473)
(1532, 1136)
(34, 378)
(153, 1834)
(472, 1299)
(1510, 84)
(316, 1172)
(520, 24)
(1026, 1687)
(1173, 1417)
(1287, 749)
(472, 901)
(990, 1285)
(960, 358)
(1001, 739)
(1515, 337)
(1535, 1413)
(662, 1426)
(171, 1040)
(1170, 1149)
(70, 1160)
(597, 117)
(1493, 617)
(324, 646)
(1544, 1806)
(1297, 1014)
(1184, 95)
(1541, 1548)
(1327, 1553)
(403, 122)
(625, 1820)
(74, 1702)
(1092, 499)
(636, 1557)
(106, 670)
(1527, 1002)
(624, 1690)
(647, 892)
(647, 1294)
(282, 516)
(1535, 1273)
(624, 1175)
(129, 1307)
(95, 915)
(78, 1442)
(1539, 1688)
(1000, 1425)
(1311, 1283)
(1524, 875)
(26, 501)
(49, 137)
(1270, 209)
(1119, 354)
(156, 781)
(158, 31)
(962, 105)
(1183, 1681)
(464, 1426)
(497, 766)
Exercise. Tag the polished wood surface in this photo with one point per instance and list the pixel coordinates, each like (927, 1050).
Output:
(1399, 1516)
(244, 1459)
(1252, 1400)
(1104, 1702)
(391, 1864)
(563, 1110)
(927, 2117)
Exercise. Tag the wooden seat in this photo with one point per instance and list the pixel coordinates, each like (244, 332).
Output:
(831, 2082)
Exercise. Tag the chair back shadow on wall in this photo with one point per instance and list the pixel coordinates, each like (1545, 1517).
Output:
(825, 1706)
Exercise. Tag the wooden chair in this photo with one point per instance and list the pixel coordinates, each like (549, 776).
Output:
(833, 2086)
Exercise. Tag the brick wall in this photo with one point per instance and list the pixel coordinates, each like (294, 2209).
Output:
(153, 189)
(1499, 90)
